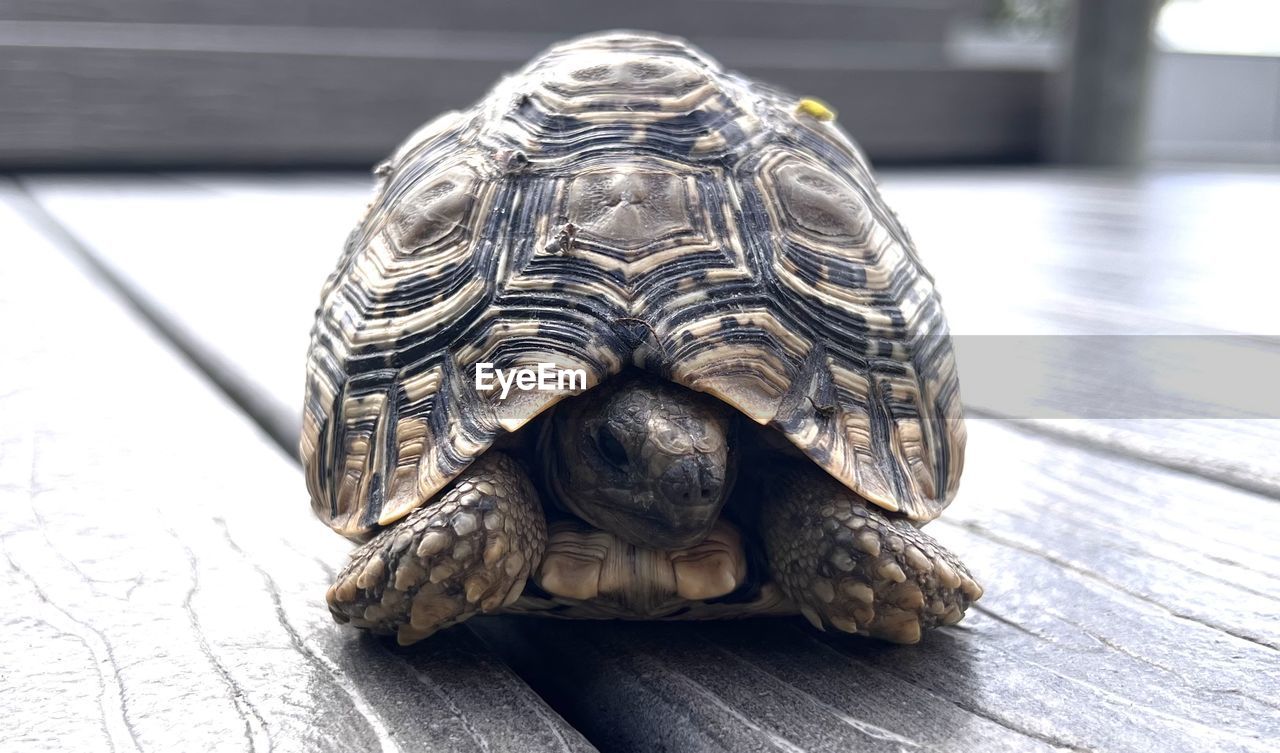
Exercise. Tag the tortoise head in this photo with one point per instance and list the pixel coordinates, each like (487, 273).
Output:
(642, 458)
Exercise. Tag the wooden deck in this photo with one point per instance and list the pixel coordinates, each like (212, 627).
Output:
(164, 577)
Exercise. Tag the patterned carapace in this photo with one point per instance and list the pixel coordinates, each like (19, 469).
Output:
(636, 205)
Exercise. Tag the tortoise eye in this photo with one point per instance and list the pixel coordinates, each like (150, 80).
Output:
(611, 448)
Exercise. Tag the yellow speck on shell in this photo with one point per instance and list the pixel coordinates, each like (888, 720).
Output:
(816, 109)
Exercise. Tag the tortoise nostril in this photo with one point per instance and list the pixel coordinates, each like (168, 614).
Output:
(710, 483)
(611, 448)
(687, 483)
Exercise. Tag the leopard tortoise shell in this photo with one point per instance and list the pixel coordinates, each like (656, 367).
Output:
(624, 208)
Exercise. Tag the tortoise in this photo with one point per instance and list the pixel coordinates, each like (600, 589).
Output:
(634, 337)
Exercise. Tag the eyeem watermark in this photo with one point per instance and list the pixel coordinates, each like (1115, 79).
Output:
(544, 377)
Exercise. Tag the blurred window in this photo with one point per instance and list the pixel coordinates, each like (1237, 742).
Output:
(1224, 27)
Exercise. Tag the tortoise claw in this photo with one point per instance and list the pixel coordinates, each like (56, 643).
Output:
(850, 566)
(469, 551)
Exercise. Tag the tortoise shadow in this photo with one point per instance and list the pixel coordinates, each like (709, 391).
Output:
(625, 684)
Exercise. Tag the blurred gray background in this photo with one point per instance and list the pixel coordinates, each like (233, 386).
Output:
(124, 84)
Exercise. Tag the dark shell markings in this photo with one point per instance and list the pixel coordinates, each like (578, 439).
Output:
(624, 204)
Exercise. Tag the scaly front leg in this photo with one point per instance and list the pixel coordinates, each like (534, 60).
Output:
(468, 550)
(850, 565)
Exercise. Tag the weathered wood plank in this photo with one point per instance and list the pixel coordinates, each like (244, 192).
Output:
(1239, 452)
(166, 235)
(162, 580)
(1163, 253)
(1127, 607)
(1172, 251)
(759, 685)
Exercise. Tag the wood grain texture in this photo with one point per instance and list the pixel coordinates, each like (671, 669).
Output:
(163, 589)
(1128, 607)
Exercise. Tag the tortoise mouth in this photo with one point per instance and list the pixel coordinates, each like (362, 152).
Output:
(583, 563)
(659, 530)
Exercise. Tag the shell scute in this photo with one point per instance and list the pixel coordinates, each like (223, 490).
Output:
(662, 213)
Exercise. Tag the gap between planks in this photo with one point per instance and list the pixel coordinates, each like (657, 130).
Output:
(76, 554)
(279, 423)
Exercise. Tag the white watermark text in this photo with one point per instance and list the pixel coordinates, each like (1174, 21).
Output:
(544, 377)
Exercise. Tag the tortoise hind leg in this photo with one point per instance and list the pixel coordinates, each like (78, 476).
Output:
(468, 550)
(847, 564)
